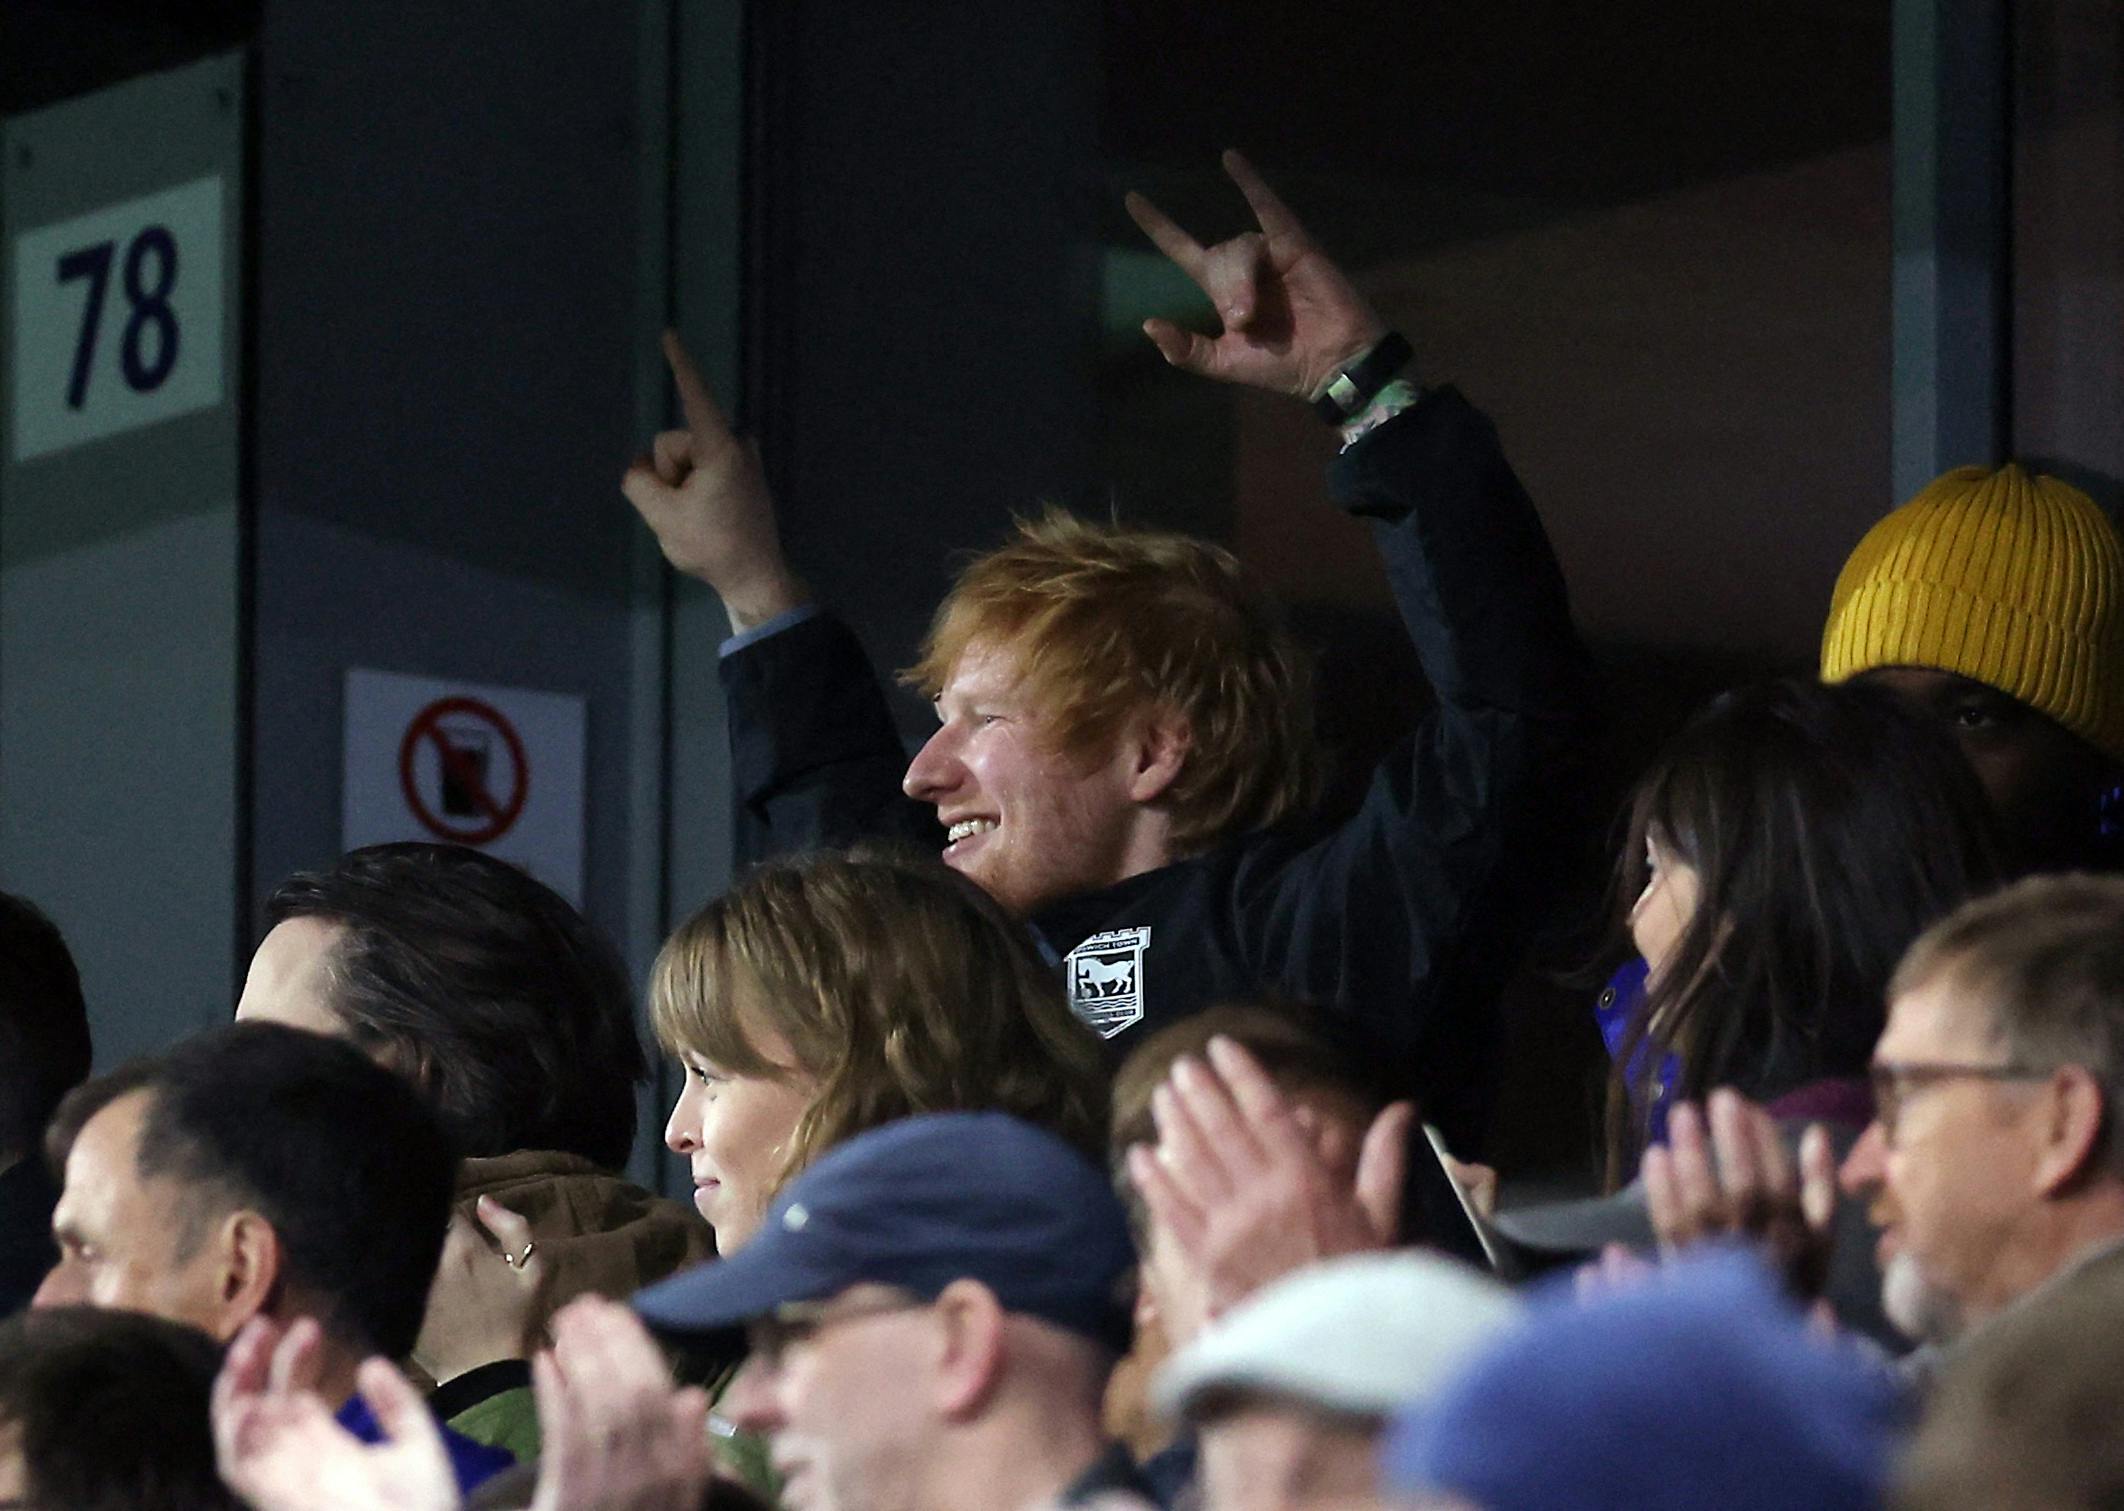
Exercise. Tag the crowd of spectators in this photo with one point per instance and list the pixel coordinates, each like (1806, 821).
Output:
(1079, 1116)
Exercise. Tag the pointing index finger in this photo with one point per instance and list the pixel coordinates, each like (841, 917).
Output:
(704, 417)
(1271, 213)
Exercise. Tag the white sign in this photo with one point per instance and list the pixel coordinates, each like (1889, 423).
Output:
(496, 768)
(117, 318)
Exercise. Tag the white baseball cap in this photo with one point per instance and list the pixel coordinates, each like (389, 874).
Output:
(1364, 1335)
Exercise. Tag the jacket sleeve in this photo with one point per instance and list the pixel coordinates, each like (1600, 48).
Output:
(815, 760)
(1367, 919)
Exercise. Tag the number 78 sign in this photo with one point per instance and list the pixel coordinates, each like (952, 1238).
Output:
(117, 318)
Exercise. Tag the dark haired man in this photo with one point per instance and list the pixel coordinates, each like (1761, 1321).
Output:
(44, 1053)
(487, 987)
(514, 1015)
(107, 1411)
(257, 1170)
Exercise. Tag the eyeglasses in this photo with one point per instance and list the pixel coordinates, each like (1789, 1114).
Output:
(1894, 1081)
(769, 1338)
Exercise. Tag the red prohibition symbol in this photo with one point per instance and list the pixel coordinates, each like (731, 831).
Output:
(465, 771)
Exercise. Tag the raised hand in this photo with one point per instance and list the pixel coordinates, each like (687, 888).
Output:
(278, 1445)
(614, 1433)
(1740, 1182)
(483, 1297)
(1292, 319)
(1240, 1190)
(703, 493)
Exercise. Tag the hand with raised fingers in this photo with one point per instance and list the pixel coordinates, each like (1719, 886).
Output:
(702, 491)
(1739, 1181)
(616, 1435)
(485, 1294)
(279, 1446)
(1292, 318)
(1239, 1190)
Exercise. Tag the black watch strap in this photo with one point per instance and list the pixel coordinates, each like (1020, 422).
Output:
(1359, 383)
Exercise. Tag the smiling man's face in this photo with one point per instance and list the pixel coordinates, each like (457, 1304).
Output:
(1026, 822)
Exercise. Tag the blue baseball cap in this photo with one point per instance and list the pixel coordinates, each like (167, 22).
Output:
(1702, 1387)
(920, 1203)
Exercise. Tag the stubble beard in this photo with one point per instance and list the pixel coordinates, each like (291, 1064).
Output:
(1922, 1311)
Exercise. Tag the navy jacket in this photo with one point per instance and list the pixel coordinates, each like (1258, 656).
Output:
(1370, 918)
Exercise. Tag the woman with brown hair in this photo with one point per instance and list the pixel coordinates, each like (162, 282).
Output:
(1784, 850)
(825, 995)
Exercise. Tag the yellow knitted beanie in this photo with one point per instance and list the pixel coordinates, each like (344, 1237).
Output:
(2006, 579)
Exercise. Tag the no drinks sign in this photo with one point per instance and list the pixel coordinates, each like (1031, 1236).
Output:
(496, 768)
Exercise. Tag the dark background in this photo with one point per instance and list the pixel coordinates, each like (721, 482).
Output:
(1654, 241)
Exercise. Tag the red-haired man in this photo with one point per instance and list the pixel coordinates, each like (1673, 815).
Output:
(1125, 746)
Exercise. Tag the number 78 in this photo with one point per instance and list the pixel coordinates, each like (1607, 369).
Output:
(148, 305)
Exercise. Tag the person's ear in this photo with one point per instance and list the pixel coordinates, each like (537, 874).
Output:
(2071, 1131)
(249, 1268)
(969, 1360)
(1158, 750)
(405, 1057)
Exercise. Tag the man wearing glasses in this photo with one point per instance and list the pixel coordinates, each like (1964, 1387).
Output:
(1992, 1169)
(931, 1312)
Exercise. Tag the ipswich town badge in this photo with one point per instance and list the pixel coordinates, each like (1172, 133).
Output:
(1106, 979)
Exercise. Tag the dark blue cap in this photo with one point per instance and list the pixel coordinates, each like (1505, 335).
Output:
(918, 1204)
(1700, 1387)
